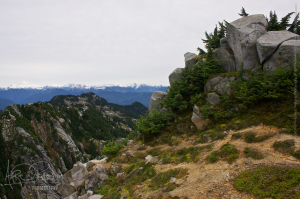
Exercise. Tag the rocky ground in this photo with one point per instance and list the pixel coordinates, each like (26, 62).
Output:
(215, 180)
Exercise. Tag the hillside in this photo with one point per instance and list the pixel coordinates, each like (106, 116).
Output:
(226, 128)
(59, 133)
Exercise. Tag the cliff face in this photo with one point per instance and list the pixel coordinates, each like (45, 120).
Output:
(48, 138)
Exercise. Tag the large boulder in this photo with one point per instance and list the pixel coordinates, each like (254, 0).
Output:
(269, 42)
(226, 55)
(221, 85)
(198, 120)
(156, 97)
(283, 56)
(224, 42)
(99, 174)
(174, 76)
(79, 174)
(242, 35)
(190, 59)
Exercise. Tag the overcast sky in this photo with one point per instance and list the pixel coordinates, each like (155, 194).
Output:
(98, 42)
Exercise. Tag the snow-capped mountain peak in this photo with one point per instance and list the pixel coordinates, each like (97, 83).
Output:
(24, 84)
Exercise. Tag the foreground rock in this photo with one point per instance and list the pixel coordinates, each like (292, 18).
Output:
(156, 97)
(190, 59)
(269, 42)
(197, 119)
(79, 174)
(283, 56)
(175, 75)
(242, 35)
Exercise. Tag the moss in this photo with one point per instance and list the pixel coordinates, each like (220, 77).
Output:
(269, 182)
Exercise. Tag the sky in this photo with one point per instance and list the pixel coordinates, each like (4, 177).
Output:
(96, 42)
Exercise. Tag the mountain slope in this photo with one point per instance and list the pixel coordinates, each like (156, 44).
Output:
(4, 103)
(60, 133)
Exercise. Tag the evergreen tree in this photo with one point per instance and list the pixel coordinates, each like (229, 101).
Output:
(243, 12)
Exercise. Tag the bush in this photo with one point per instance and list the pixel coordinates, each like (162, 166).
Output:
(269, 182)
(112, 148)
(190, 83)
(252, 153)
(284, 146)
(236, 135)
(213, 157)
(152, 123)
(249, 137)
(227, 151)
(263, 85)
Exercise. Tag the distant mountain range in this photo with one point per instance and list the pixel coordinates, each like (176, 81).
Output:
(25, 92)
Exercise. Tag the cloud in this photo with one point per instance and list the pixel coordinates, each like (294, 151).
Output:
(108, 41)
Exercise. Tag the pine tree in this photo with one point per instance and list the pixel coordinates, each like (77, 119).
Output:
(294, 25)
(273, 23)
(285, 20)
(243, 12)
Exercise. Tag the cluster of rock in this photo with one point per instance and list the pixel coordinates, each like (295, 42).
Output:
(79, 182)
(248, 45)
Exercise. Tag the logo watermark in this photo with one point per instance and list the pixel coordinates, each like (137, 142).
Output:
(295, 74)
(41, 176)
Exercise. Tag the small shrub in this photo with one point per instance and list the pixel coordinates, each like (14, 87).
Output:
(141, 147)
(227, 151)
(252, 153)
(154, 152)
(284, 146)
(269, 182)
(249, 137)
(213, 157)
(296, 154)
(236, 136)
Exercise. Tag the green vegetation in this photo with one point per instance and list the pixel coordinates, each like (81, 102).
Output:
(227, 151)
(154, 152)
(112, 148)
(285, 146)
(190, 154)
(161, 180)
(136, 174)
(250, 137)
(236, 135)
(152, 123)
(253, 153)
(272, 182)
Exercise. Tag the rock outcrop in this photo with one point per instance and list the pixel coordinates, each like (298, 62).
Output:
(213, 98)
(220, 85)
(226, 57)
(156, 97)
(242, 35)
(175, 75)
(268, 43)
(190, 59)
(283, 56)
